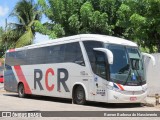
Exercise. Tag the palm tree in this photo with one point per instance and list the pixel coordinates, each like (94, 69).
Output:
(26, 12)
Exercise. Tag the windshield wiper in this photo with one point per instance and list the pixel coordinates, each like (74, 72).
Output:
(138, 75)
(140, 81)
(127, 77)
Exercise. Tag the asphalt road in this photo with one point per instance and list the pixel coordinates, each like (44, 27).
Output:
(11, 102)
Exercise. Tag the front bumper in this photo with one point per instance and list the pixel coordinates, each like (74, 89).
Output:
(118, 97)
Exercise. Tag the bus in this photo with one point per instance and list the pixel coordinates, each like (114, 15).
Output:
(85, 67)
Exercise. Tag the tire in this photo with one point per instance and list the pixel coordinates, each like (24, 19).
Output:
(21, 91)
(79, 96)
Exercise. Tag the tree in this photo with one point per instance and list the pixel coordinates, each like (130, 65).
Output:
(72, 17)
(27, 13)
(137, 20)
(141, 22)
(153, 24)
(8, 38)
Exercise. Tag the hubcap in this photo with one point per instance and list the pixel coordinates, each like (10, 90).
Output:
(80, 94)
(21, 91)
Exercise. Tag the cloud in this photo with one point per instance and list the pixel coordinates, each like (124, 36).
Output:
(3, 11)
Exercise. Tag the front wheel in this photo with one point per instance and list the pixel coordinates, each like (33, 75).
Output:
(21, 91)
(79, 96)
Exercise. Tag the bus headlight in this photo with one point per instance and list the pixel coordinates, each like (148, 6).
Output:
(144, 89)
(113, 88)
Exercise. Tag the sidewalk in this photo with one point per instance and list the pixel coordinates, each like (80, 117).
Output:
(151, 102)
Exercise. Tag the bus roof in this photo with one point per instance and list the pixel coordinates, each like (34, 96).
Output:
(81, 37)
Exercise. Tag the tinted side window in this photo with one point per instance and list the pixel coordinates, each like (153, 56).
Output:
(10, 58)
(19, 58)
(55, 54)
(73, 53)
(36, 56)
(89, 45)
(70, 52)
(15, 58)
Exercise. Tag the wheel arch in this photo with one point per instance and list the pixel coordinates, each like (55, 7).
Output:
(84, 87)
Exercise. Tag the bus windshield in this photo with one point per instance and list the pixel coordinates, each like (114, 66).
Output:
(127, 67)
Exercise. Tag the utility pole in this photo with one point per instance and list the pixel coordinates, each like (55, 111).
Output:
(6, 32)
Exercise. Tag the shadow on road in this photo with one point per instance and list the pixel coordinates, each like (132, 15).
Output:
(68, 101)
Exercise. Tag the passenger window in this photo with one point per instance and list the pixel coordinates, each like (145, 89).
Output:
(73, 54)
(36, 56)
(70, 52)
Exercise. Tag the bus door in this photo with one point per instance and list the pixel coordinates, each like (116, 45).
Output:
(101, 76)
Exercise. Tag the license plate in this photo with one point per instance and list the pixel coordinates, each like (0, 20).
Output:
(133, 98)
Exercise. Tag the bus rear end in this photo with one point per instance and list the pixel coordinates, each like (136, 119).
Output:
(10, 82)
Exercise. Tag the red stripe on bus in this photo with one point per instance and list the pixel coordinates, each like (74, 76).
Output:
(11, 50)
(22, 79)
(120, 86)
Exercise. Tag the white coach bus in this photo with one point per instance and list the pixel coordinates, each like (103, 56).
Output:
(83, 68)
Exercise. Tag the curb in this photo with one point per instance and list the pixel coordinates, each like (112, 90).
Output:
(2, 91)
(148, 104)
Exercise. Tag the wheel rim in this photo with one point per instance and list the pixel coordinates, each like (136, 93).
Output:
(21, 90)
(80, 95)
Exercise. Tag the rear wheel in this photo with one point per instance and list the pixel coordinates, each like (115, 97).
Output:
(21, 91)
(79, 96)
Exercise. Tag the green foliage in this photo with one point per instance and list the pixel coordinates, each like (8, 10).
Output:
(26, 12)
(8, 39)
(2, 47)
(81, 16)
(49, 29)
(136, 20)
(1, 31)
(25, 39)
(141, 23)
(22, 32)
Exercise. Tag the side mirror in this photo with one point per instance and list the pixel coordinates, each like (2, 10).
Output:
(150, 56)
(107, 52)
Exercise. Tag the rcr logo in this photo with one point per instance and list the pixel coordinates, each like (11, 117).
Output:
(38, 75)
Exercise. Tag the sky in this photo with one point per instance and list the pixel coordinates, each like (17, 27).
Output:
(6, 7)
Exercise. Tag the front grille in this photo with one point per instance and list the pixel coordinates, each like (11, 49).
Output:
(132, 92)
